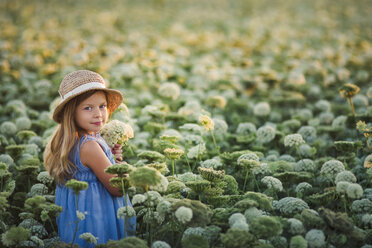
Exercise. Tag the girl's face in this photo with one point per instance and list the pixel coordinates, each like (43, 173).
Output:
(91, 114)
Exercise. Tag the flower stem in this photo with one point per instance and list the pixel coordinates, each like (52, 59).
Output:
(130, 149)
(351, 104)
(199, 156)
(126, 208)
(214, 142)
(173, 169)
(51, 223)
(77, 220)
(245, 179)
(187, 160)
(298, 152)
(345, 207)
(193, 166)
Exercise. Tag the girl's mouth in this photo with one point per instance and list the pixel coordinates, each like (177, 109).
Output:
(97, 123)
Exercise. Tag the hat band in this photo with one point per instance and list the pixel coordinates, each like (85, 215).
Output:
(82, 88)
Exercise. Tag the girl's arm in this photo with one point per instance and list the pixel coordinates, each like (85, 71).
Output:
(93, 157)
(117, 152)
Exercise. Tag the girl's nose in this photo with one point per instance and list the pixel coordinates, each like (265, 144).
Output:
(97, 113)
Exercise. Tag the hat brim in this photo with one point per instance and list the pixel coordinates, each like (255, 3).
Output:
(114, 99)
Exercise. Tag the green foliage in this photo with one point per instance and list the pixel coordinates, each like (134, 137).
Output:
(263, 201)
(120, 169)
(201, 213)
(76, 185)
(311, 219)
(279, 166)
(292, 177)
(25, 135)
(151, 156)
(231, 186)
(265, 226)
(15, 150)
(337, 221)
(15, 236)
(298, 242)
(144, 177)
(234, 238)
(128, 242)
(195, 241)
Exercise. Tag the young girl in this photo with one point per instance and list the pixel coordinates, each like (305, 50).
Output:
(77, 151)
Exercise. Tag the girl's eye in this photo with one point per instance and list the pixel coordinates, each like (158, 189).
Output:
(87, 108)
(102, 106)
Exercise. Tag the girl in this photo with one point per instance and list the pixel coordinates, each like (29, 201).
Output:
(77, 151)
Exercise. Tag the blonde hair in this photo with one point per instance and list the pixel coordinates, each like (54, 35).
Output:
(56, 157)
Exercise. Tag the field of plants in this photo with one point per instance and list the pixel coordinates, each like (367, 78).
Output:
(252, 119)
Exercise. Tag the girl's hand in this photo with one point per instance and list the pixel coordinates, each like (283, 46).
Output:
(117, 152)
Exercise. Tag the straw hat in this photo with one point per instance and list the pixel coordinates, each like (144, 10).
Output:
(79, 82)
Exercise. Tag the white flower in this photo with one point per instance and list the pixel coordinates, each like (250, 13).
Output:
(302, 187)
(160, 244)
(307, 132)
(162, 185)
(116, 132)
(236, 217)
(191, 127)
(354, 191)
(331, 168)
(315, 238)
(296, 78)
(295, 226)
(261, 109)
(342, 186)
(272, 183)
(248, 156)
(346, 176)
(293, 140)
(81, 215)
(240, 225)
(44, 177)
(163, 207)
(265, 134)
(246, 128)
(138, 199)
(126, 211)
(183, 214)
(214, 163)
(169, 90)
(38, 189)
(196, 150)
(89, 238)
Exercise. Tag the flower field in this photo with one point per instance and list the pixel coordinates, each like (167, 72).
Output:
(250, 122)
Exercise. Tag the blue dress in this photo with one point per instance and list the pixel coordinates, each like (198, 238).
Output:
(100, 206)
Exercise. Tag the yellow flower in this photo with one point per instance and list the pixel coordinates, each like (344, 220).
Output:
(368, 161)
(349, 90)
(216, 101)
(206, 122)
(173, 153)
(361, 125)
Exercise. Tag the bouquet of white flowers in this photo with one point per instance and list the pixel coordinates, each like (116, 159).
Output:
(116, 132)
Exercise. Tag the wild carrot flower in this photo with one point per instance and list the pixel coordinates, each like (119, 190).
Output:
(183, 214)
(173, 153)
(206, 122)
(117, 132)
(88, 237)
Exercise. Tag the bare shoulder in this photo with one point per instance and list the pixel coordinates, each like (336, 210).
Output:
(90, 152)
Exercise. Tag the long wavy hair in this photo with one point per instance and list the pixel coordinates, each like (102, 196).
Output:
(56, 159)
